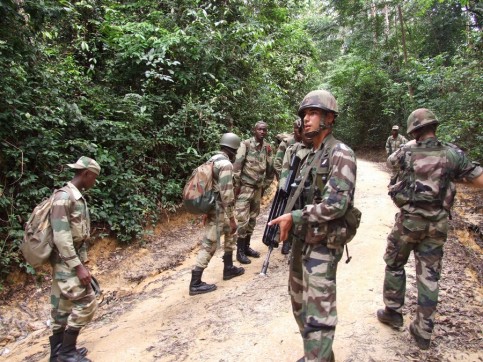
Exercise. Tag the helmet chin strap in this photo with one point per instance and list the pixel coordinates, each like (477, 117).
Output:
(322, 126)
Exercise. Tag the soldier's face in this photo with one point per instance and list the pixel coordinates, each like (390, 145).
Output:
(231, 154)
(260, 132)
(89, 179)
(296, 133)
(312, 119)
(394, 133)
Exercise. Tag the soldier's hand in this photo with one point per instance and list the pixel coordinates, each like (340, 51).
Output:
(285, 222)
(83, 274)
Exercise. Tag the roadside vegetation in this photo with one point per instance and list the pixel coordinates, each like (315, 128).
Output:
(147, 87)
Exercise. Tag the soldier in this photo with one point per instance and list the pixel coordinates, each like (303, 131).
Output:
(299, 149)
(424, 193)
(216, 220)
(328, 176)
(253, 174)
(394, 141)
(284, 144)
(72, 297)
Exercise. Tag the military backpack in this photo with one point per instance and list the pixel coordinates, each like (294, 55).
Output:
(198, 194)
(424, 180)
(38, 238)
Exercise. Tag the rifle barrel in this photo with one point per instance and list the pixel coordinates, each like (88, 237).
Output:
(266, 262)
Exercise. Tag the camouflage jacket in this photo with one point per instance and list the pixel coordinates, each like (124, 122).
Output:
(299, 149)
(71, 226)
(282, 148)
(339, 187)
(253, 167)
(223, 182)
(392, 144)
(429, 169)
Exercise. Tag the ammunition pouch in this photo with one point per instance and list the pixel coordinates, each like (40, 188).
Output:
(399, 194)
(335, 233)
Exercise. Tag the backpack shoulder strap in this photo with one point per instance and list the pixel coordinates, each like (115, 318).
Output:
(69, 192)
(212, 161)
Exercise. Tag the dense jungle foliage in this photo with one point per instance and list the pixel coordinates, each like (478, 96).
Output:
(147, 87)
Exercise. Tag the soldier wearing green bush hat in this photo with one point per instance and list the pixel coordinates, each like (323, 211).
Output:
(72, 296)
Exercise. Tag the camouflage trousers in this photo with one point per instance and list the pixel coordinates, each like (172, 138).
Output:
(209, 242)
(295, 281)
(73, 304)
(319, 311)
(426, 239)
(247, 208)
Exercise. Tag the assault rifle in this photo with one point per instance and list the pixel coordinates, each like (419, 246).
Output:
(282, 195)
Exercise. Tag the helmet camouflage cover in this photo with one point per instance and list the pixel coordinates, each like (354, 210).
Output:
(230, 140)
(420, 118)
(320, 99)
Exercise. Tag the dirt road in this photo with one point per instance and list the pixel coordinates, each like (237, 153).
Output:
(151, 317)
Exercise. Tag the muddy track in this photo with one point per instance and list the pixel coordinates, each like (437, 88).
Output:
(148, 315)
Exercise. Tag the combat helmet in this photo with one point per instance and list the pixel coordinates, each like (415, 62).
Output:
(420, 118)
(320, 99)
(230, 140)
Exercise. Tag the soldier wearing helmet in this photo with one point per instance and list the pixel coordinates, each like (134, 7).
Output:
(327, 178)
(252, 173)
(424, 194)
(220, 220)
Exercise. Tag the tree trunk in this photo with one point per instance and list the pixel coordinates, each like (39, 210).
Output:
(403, 40)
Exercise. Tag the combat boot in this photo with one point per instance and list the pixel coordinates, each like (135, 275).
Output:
(197, 286)
(390, 317)
(229, 270)
(249, 251)
(422, 343)
(68, 351)
(286, 247)
(55, 344)
(240, 251)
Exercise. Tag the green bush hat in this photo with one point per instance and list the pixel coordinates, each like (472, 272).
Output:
(86, 163)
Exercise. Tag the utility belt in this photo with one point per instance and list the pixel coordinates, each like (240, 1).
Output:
(334, 233)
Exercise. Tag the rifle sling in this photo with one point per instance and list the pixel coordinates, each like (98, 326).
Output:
(294, 198)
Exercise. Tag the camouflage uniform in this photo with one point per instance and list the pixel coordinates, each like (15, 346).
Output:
(278, 160)
(393, 144)
(298, 148)
(319, 263)
(223, 185)
(295, 284)
(73, 304)
(252, 173)
(422, 224)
